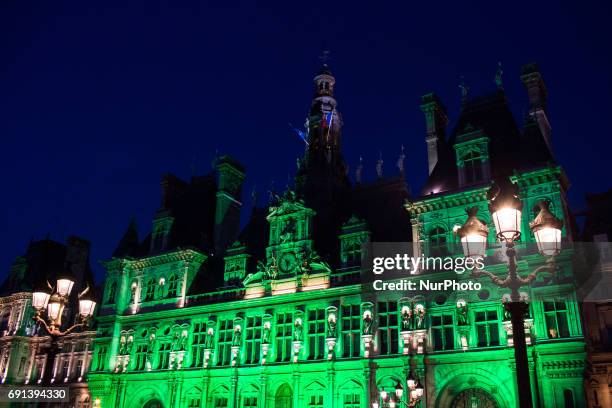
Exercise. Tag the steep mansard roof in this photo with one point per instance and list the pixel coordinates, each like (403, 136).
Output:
(510, 148)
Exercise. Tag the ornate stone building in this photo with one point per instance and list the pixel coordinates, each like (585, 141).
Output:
(201, 313)
(24, 346)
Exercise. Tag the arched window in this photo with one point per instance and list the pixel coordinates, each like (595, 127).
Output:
(438, 241)
(111, 293)
(173, 284)
(472, 168)
(150, 292)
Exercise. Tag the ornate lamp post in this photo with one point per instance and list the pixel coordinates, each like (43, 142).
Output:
(414, 387)
(55, 301)
(506, 214)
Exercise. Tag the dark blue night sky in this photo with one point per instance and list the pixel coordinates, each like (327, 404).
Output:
(98, 101)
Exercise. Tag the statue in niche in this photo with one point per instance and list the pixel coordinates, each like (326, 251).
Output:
(331, 325)
(367, 323)
(297, 330)
(150, 349)
(419, 312)
(462, 313)
(210, 338)
(182, 341)
(265, 338)
(406, 317)
(237, 336)
(288, 231)
(123, 346)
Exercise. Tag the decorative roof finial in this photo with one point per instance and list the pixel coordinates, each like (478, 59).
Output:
(400, 161)
(325, 57)
(359, 170)
(254, 196)
(464, 89)
(379, 165)
(498, 76)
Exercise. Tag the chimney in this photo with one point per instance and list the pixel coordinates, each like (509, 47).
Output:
(228, 202)
(536, 91)
(436, 121)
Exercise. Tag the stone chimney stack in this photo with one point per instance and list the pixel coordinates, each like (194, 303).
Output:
(536, 91)
(436, 121)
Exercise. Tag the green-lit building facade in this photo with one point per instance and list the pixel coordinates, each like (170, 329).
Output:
(204, 313)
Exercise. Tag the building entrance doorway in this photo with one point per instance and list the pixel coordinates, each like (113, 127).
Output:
(474, 398)
(154, 403)
(284, 397)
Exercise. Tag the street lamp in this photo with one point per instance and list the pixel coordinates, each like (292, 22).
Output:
(473, 235)
(415, 394)
(55, 303)
(506, 214)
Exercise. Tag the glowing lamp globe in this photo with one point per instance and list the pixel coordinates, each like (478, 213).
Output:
(506, 215)
(86, 307)
(547, 230)
(64, 286)
(383, 395)
(411, 383)
(54, 309)
(473, 235)
(375, 405)
(399, 391)
(40, 300)
(419, 389)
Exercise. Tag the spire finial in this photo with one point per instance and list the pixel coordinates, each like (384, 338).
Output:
(379, 165)
(400, 161)
(464, 88)
(498, 76)
(359, 170)
(325, 57)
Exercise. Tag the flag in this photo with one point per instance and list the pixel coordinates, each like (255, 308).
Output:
(327, 119)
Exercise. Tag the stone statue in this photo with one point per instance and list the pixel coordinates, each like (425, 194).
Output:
(400, 161)
(122, 346)
(367, 323)
(359, 171)
(419, 317)
(498, 76)
(406, 316)
(237, 336)
(462, 315)
(297, 330)
(265, 339)
(464, 89)
(210, 338)
(331, 326)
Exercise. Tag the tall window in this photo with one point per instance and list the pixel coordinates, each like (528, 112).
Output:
(351, 333)
(555, 314)
(65, 366)
(220, 402)
(164, 355)
(388, 333)
(194, 402)
(150, 289)
(253, 340)
(437, 241)
(112, 293)
(442, 332)
(249, 402)
(198, 343)
(351, 252)
(141, 357)
(351, 401)
(568, 399)
(284, 328)
(315, 401)
(224, 344)
(173, 285)
(487, 328)
(472, 168)
(101, 352)
(316, 334)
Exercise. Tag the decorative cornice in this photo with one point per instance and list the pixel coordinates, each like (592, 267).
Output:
(447, 201)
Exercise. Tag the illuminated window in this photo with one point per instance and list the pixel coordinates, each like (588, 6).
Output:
(164, 355)
(249, 402)
(253, 340)
(316, 334)
(198, 343)
(101, 352)
(437, 241)
(173, 285)
(315, 401)
(351, 333)
(472, 168)
(555, 314)
(388, 332)
(150, 289)
(111, 293)
(442, 331)
(351, 401)
(284, 327)
(224, 344)
(141, 357)
(220, 402)
(487, 328)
